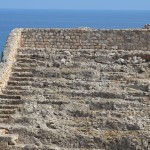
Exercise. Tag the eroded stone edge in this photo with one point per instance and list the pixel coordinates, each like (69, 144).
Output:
(9, 52)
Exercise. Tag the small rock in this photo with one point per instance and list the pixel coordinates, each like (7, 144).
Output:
(135, 60)
(30, 146)
(63, 60)
(57, 64)
(114, 47)
(67, 53)
(120, 61)
(142, 69)
(67, 37)
(130, 117)
(51, 125)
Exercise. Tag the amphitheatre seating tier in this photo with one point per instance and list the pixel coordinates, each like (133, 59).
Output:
(76, 89)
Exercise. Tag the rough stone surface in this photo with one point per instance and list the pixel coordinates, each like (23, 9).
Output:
(76, 89)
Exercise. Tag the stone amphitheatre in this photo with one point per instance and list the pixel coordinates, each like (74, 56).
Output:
(75, 89)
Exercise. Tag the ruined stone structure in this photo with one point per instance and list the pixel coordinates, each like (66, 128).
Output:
(72, 89)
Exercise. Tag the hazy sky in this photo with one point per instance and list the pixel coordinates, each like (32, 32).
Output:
(77, 4)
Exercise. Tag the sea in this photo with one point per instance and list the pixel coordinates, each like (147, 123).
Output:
(100, 19)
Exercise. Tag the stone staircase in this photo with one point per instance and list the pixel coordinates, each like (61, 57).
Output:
(77, 99)
(9, 104)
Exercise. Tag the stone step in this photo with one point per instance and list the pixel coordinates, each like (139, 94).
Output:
(82, 74)
(17, 69)
(19, 88)
(15, 126)
(11, 97)
(11, 102)
(73, 65)
(53, 101)
(35, 54)
(52, 73)
(26, 60)
(106, 123)
(97, 111)
(137, 93)
(141, 99)
(123, 114)
(137, 86)
(29, 65)
(7, 111)
(22, 74)
(37, 51)
(4, 116)
(90, 94)
(58, 83)
(78, 53)
(106, 91)
(41, 57)
(86, 93)
(19, 83)
(3, 106)
(68, 83)
(28, 53)
(57, 57)
(34, 65)
(64, 85)
(113, 104)
(18, 92)
(9, 138)
(25, 146)
(30, 62)
(4, 120)
(20, 79)
(79, 81)
(107, 74)
(114, 113)
(97, 103)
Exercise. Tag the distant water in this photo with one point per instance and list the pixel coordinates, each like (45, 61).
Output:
(10, 19)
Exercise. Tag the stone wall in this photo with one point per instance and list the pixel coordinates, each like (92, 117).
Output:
(84, 38)
(8, 58)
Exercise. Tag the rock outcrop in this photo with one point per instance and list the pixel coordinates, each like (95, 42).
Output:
(76, 89)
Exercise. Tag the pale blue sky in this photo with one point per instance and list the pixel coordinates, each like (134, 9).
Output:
(77, 4)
